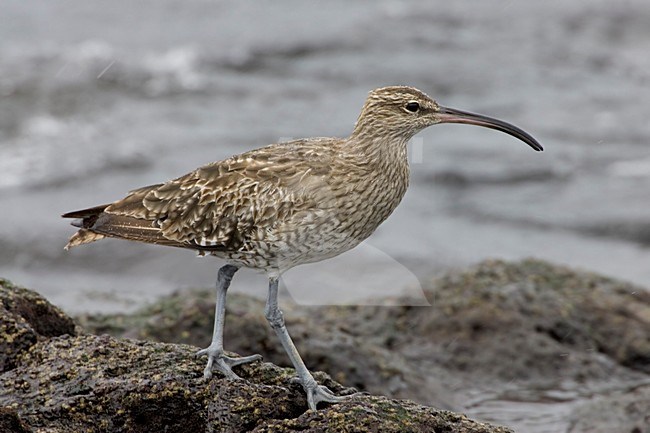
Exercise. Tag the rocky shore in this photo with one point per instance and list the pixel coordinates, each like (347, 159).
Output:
(528, 345)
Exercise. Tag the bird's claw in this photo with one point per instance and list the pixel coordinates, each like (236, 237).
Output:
(223, 363)
(317, 393)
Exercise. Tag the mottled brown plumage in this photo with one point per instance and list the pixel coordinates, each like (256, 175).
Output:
(285, 204)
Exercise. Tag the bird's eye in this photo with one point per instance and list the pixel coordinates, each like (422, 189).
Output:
(412, 106)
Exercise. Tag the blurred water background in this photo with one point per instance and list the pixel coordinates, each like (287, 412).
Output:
(100, 98)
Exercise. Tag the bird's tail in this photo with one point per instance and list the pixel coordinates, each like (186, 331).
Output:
(84, 219)
(95, 224)
(83, 236)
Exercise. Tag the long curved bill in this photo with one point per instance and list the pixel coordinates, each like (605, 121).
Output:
(451, 115)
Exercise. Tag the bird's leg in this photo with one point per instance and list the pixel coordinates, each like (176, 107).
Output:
(315, 392)
(216, 357)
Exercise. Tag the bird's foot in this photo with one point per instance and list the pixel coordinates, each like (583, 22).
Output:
(317, 393)
(223, 363)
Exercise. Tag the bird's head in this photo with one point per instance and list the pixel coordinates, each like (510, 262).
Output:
(401, 111)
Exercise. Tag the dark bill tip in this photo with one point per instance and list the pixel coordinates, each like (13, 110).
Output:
(451, 115)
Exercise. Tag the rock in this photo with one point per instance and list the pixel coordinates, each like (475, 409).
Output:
(563, 311)
(518, 338)
(92, 383)
(69, 381)
(504, 342)
(386, 416)
(10, 422)
(25, 318)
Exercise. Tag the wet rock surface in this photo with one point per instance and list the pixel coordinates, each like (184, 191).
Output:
(529, 345)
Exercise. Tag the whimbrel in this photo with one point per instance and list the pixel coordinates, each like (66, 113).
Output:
(283, 205)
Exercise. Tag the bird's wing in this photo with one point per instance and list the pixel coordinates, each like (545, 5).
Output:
(219, 205)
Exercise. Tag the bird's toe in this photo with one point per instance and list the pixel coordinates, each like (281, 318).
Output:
(322, 393)
(218, 360)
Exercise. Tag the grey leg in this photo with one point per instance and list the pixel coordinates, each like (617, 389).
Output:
(216, 357)
(315, 392)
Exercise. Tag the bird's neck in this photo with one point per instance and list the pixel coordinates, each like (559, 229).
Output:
(382, 161)
(379, 147)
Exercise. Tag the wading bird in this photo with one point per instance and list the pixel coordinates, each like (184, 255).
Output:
(283, 205)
